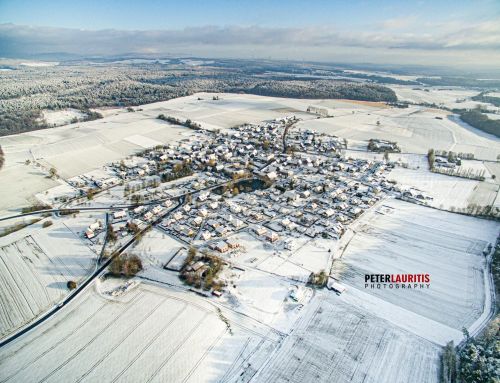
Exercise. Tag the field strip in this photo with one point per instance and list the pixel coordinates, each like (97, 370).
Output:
(419, 325)
(141, 352)
(43, 332)
(489, 292)
(36, 369)
(121, 341)
(230, 370)
(207, 351)
(38, 251)
(94, 338)
(233, 315)
(55, 344)
(177, 346)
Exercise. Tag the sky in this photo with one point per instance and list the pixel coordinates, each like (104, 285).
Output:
(440, 32)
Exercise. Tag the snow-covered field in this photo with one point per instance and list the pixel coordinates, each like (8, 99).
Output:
(448, 192)
(61, 117)
(415, 129)
(442, 96)
(161, 332)
(338, 342)
(36, 264)
(403, 238)
(150, 335)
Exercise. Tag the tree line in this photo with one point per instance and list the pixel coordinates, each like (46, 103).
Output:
(481, 121)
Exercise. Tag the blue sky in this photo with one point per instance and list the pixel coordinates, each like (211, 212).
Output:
(155, 14)
(439, 32)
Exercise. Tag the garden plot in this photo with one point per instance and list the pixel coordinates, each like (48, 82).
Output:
(36, 265)
(403, 238)
(336, 342)
(54, 196)
(258, 294)
(252, 252)
(156, 335)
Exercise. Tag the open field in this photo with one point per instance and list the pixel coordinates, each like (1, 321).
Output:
(19, 184)
(336, 342)
(416, 130)
(61, 117)
(402, 238)
(35, 266)
(151, 334)
(447, 191)
(450, 97)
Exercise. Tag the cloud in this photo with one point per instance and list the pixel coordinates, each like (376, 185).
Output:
(399, 22)
(22, 40)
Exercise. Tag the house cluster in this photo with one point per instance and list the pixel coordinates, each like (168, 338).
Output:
(94, 229)
(99, 179)
(282, 196)
(213, 185)
(208, 217)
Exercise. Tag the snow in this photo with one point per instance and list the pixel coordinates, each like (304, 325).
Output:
(39, 63)
(142, 141)
(450, 97)
(416, 129)
(156, 248)
(338, 342)
(61, 117)
(80, 148)
(157, 335)
(36, 264)
(403, 238)
(162, 332)
(447, 191)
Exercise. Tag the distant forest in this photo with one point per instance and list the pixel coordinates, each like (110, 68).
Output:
(480, 121)
(25, 91)
(459, 81)
(483, 97)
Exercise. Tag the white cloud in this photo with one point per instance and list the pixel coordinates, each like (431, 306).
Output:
(446, 39)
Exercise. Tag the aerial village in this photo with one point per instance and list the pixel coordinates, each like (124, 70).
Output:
(273, 181)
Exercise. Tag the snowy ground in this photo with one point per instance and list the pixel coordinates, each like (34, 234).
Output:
(168, 334)
(337, 342)
(415, 129)
(36, 263)
(151, 335)
(402, 238)
(61, 117)
(447, 191)
(156, 248)
(450, 97)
